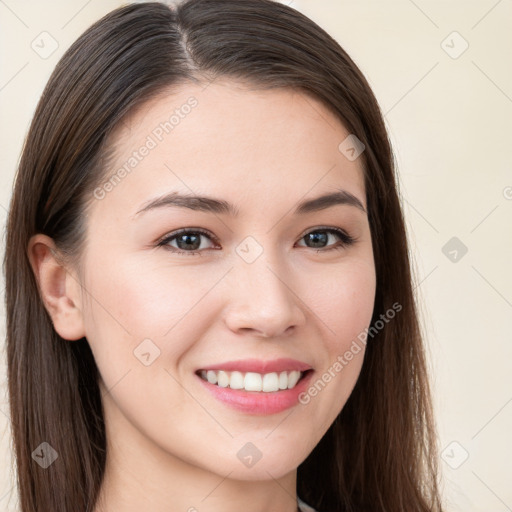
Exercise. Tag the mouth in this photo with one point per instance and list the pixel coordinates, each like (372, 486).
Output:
(272, 382)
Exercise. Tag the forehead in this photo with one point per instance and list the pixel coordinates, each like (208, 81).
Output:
(230, 140)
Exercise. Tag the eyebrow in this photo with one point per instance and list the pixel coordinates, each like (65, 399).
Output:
(220, 206)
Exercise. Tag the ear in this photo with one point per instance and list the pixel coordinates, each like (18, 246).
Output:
(59, 289)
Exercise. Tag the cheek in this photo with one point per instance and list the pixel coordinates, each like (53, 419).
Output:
(342, 309)
(138, 299)
(343, 300)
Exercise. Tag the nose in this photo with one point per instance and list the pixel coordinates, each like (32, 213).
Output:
(262, 299)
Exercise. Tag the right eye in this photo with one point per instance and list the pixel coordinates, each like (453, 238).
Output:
(188, 241)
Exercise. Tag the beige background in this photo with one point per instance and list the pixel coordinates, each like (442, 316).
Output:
(450, 120)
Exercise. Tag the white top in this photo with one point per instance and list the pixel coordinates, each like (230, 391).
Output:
(304, 507)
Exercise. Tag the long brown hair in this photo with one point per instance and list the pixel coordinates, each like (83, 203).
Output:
(380, 453)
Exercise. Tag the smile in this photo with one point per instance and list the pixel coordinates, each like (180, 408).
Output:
(251, 381)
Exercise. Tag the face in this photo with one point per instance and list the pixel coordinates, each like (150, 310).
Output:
(245, 291)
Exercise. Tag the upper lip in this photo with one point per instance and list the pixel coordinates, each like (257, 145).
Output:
(260, 366)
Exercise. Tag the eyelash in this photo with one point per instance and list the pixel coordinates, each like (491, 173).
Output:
(346, 239)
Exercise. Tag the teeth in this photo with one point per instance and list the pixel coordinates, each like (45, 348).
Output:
(223, 379)
(293, 379)
(283, 380)
(270, 382)
(250, 381)
(236, 381)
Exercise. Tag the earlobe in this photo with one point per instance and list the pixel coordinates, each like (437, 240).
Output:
(59, 289)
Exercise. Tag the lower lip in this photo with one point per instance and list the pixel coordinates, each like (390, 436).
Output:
(258, 402)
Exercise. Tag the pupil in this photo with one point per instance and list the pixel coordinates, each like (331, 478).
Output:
(187, 244)
(318, 236)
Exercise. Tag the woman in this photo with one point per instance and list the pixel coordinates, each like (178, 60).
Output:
(209, 300)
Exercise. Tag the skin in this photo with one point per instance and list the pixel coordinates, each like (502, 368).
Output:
(172, 446)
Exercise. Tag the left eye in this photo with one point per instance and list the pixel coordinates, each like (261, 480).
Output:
(189, 240)
(321, 235)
